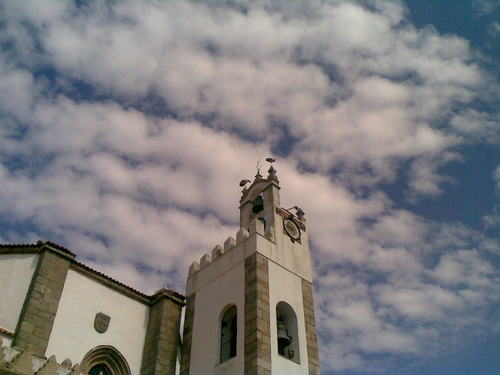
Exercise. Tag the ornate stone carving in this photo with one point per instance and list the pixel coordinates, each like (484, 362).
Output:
(101, 322)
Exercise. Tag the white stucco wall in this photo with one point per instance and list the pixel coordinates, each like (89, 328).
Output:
(73, 334)
(293, 256)
(285, 286)
(16, 272)
(6, 340)
(222, 282)
(211, 299)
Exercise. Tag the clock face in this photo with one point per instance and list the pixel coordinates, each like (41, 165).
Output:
(291, 229)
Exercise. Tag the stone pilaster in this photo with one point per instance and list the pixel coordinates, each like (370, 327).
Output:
(162, 335)
(187, 335)
(257, 315)
(42, 300)
(312, 343)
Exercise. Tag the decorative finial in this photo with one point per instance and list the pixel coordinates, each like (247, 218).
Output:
(300, 213)
(244, 182)
(271, 170)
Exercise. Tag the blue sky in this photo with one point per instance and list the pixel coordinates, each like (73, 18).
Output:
(126, 127)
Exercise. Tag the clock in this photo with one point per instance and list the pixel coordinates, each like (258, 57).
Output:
(292, 229)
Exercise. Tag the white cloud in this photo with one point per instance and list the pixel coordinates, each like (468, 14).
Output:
(483, 7)
(496, 177)
(400, 228)
(464, 267)
(425, 178)
(477, 126)
(17, 89)
(423, 302)
(350, 96)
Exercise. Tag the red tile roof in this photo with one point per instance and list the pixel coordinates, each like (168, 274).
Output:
(21, 248)
(7, 333)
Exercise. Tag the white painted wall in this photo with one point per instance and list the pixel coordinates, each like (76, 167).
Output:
(293, 256)
(285, 286)
(227, 288)
(222, 282)
(217, 267)
(73, 334)
(7, 340)
(16, 272)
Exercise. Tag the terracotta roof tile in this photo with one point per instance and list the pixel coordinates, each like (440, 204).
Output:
(7, 246)
(7, 333)
(40, 244)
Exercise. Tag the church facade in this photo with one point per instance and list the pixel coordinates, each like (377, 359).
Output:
(248, 307)
(53, 305)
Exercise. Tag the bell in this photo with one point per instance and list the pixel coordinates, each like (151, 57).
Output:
(257, 204)
(283, 339)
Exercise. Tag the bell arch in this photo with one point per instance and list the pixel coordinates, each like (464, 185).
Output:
(228, 333)
(287, 332)
(105, 359)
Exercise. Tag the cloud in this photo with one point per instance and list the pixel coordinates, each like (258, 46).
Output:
(404, 300)
(424, 177)
(477, 126)
(464, 267)
(17, 87)
(128, 126)
(483, 7)
(495, 29)
(492, 220)
(496, 177)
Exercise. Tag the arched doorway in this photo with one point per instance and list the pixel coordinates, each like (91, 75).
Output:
(100, 369)
(105, 360)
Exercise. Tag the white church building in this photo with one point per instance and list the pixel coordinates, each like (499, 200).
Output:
(248, 307)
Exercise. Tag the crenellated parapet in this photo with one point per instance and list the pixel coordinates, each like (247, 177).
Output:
(16, 361)
(256, 227)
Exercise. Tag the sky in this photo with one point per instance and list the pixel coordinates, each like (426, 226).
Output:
(125, 128)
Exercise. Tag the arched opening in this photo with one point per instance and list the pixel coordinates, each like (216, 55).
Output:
(100, 370)
(287, 333)
(105, 360)
(258, 204)
(228, 334)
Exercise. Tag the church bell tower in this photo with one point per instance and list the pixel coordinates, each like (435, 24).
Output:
(249, 304)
